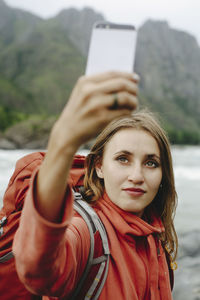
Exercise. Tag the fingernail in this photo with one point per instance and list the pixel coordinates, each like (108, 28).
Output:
(136, 77)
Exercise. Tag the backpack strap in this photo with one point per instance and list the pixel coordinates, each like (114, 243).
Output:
(170, 267)
(6, 257)
(3, 221)
(9, 255)
(94, 224)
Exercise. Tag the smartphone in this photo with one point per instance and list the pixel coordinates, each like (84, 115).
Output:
(112, 48)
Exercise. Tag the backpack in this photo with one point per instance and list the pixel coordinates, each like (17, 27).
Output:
(96, 270)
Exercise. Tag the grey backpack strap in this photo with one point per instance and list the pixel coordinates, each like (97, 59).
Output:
(94, 224)
(6, 257)
(9, 255)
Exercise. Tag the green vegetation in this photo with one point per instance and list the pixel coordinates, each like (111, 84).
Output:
(9, 117)
(43, 69)
(184, 137)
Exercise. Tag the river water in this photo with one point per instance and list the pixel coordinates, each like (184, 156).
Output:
(187, 177)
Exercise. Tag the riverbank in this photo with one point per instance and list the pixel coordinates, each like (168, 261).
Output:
(32, 133)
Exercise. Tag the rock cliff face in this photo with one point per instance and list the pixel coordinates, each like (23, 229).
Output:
(169, 63)
(15, 24)
(78, 24)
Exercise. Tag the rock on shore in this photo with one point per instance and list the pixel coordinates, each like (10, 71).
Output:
(29, 134)
(187, 276)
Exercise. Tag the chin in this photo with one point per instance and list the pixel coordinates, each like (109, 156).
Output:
(134, 210)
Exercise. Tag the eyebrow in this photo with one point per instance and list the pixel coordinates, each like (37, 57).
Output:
(124, 152)
(130, 153)
(153, 156)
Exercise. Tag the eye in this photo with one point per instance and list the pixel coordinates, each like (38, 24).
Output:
(152, 164)
(122, 159)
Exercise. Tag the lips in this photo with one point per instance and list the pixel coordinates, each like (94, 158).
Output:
(135, 191)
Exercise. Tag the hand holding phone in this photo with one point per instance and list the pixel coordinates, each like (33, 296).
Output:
(112, 48)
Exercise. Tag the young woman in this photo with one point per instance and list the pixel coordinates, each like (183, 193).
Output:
(129, 182)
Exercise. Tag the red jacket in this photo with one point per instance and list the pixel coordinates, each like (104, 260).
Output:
(50, 258)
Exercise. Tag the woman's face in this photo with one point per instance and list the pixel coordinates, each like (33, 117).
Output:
(131, 169)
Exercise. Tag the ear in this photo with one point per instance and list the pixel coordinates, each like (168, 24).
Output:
(99, 170)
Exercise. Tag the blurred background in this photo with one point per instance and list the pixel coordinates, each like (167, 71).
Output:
(43, 51)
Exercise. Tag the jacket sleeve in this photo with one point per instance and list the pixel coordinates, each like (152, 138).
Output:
(50, 257)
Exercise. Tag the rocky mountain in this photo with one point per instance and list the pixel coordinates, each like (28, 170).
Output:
(168, 61)
(40, 60)
(15, 28)
(40, 68)
(78, 25)
(15, 24)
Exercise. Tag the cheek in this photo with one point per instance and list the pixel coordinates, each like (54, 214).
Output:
(112, 178)
(154, 179)
(113, 175)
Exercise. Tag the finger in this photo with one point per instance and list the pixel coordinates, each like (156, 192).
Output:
(107, 101)
(118, 85)
(110, 75)
(123, 100)
(109, 87)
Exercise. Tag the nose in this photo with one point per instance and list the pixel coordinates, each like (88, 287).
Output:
(136, 174)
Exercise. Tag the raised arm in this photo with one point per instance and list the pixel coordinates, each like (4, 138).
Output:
(88, 110)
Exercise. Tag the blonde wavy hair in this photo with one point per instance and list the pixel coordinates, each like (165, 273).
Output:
(165, 201)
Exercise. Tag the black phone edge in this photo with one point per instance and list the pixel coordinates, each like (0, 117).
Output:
(110, 25)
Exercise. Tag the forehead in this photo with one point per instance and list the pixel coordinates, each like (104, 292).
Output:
(132, 139)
